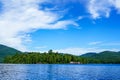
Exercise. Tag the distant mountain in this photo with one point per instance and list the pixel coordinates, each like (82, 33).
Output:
(89, 54)
(104, 57)
(5, 51)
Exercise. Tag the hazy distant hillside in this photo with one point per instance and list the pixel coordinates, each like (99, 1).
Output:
(91, 54)
(5, 51)
(105, 57)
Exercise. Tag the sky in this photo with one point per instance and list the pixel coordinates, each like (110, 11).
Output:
(68, 26)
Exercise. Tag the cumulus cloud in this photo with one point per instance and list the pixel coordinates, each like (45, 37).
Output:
(20, 17)
(102, 8)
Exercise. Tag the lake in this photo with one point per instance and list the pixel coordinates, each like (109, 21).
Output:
(59, 72)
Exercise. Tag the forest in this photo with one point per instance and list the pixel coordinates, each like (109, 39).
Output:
(51, 57)
(43, 58)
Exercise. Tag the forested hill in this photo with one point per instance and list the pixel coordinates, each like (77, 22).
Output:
(43, 58)
(11, 55)
(55, 58)
(104, 57)
(5, 51)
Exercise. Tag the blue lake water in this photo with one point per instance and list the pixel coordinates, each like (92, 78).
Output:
(59, 72)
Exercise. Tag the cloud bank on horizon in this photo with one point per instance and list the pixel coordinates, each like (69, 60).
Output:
(19, 18)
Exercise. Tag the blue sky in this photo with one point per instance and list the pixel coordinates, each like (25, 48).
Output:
(74, 26)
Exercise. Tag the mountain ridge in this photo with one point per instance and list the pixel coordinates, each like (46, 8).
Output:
(105, 56)
(6, 51)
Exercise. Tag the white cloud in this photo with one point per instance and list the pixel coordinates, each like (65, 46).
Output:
(95, 43)
(20, 17)
(100, 43)
(98, 8)
(104, 44)
(80, 17)
(111, 44)
(117, 5)
(41, 47)
(102, 8)
(80, 51)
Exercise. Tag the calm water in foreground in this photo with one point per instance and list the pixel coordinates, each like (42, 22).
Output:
(59, 72)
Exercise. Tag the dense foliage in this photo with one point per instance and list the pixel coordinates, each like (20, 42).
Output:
(5, 51)
(11, 55)
(104, 57)
(50, 58)
(60, 58)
